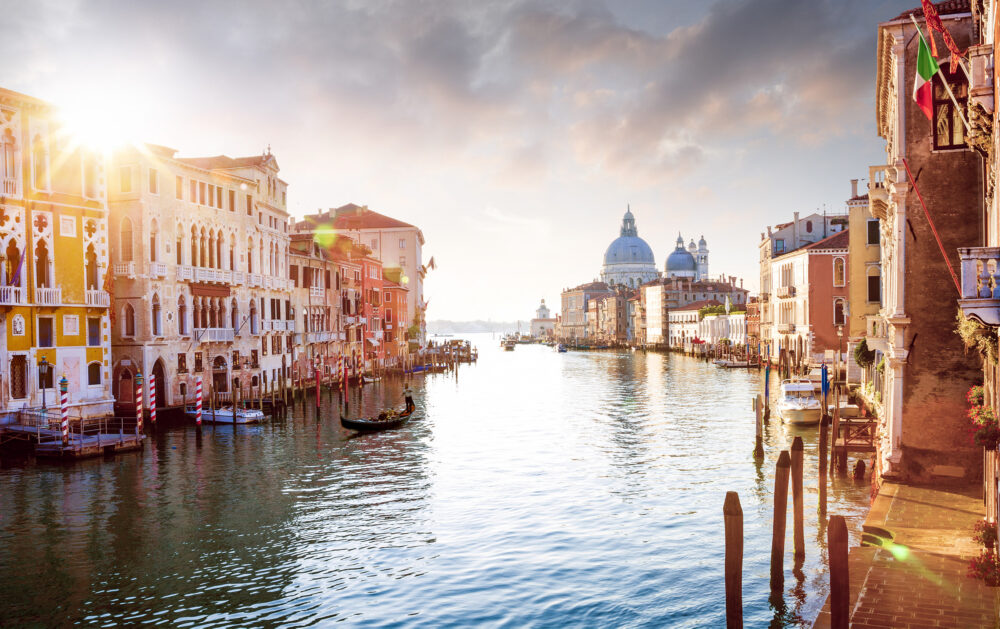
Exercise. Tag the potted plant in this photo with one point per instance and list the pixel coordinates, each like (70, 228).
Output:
(986, 567)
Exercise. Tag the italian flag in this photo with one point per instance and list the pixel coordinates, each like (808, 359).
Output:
(923, 89)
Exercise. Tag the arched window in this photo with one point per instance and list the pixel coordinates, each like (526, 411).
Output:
(181, 315)
(211, 250)
(155, 322)
(126, 240)
(194, 246)
(39, 163)
(839, 313)
(91, 268)
(232, 252)
(43, 278)
(154, 240)
(203, 249)
(180, 245)
(218, 250)
(8, 160)
(19, 377)
(874, 284)
(94, 374)
(234, 315)
(128, 316)
(839, 272)
(249, 255)
(253, 316)
(809, 227)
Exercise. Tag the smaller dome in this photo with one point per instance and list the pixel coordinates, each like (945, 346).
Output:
(702, 242)
(681, 261)
(692, 247)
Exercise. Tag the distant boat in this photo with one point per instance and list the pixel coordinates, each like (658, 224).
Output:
(561, 348)
(726, 363)
(224, 415)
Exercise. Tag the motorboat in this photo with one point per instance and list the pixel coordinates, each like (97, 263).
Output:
(797, 403)
(561, 348)
(729, 363)
(224, 415)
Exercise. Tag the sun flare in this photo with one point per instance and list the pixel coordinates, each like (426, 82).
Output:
(103, 122)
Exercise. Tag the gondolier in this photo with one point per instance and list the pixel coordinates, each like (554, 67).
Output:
(408, 395)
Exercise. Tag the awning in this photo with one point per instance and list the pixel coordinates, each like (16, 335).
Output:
(210, 290)
(373, 342)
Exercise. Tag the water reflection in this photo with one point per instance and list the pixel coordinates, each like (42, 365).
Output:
(534, 488)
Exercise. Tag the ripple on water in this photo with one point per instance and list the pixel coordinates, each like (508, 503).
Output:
(539, 489)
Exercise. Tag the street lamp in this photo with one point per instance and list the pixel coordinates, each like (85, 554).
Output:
(43, 370)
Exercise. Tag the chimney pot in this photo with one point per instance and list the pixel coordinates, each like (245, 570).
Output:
(854, 188)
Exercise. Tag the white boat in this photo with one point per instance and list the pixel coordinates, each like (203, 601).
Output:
(224, 415)
(797, 403)
(726, 363)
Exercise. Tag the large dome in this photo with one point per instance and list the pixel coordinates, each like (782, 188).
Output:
(629, 249)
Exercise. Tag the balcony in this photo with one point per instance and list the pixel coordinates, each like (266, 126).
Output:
(157, 269)
(785, 328)
(764, 298)
(980, 293)
(11, 295)
(785, 292)
(350, 320)
(214, 335)
(184, 273)
(49, 296)
(97, 298)
(10, 187)
(316, 292)
(255, 279)
(124, 269)
(879, 178)
(981, 84)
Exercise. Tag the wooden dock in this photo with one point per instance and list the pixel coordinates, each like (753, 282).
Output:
(88, 437)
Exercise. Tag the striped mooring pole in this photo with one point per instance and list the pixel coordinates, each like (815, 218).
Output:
(138, 402)
(152, 399)
(197, 402)
(64, 408)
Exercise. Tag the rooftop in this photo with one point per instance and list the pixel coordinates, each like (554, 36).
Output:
(947, 7)
(698, 305)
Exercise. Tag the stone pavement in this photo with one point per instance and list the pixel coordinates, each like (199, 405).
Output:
(914, 574)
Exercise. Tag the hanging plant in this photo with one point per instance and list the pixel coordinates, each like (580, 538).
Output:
(976, 395)
(862, 355)
(985, 533)
(881, 365)
(975, 335)
(986, 567)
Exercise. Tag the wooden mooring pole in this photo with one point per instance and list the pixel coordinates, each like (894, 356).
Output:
(797, 509)
(824, 439)
(780, 520)
(758, 449)
(733, 514)
(840, 614)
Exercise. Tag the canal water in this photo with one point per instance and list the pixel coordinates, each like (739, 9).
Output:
(535, 489)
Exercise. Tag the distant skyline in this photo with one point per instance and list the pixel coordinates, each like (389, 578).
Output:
(512, 133)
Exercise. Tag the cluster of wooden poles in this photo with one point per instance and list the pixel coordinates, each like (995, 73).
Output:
(788, 467)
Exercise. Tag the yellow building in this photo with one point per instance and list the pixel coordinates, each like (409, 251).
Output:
(865, 285)
(53, 258)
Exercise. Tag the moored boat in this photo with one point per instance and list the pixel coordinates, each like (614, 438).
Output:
(561, 348)
(797, 403)
(224, 415)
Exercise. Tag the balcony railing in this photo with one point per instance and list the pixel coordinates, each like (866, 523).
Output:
(11, 295)
(785, 328)
(214, 335)
(785, 292)
(316, 292)
(981, 84)
(980, 291)
(879, 178)
(98, 298)
(765, 297)
(185, 273)
(255, 279)
(10, 187)
(157, 269)
(48, 296)
(126, 269)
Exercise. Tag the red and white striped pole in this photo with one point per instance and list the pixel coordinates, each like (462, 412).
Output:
(197, 402)
(152, 399)
(138, 403)
(64, 408)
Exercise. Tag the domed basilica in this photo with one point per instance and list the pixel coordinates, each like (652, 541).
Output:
(629, 259)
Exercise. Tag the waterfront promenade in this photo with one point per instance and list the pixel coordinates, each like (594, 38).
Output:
(918, 578)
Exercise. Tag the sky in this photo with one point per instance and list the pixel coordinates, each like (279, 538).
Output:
(513, 133)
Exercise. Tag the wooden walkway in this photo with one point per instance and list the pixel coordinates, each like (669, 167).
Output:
(87, 439)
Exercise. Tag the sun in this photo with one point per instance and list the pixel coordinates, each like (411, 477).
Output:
(103, 122)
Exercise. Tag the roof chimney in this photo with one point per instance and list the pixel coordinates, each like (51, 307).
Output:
(795, 230)
(854, 188)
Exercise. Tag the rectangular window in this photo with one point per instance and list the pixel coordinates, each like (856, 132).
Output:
(374, 244)
(125, 178)
(201, 193)
(179, 188)
(46, 336)
(402, 260)
(193, 198)
(218, 197)
(154, 187)
(293, 274)
(249, 205)
(182, 365)
(232, 200)
(197, 362)
(779, 245)
(94, 331)
(874, 288)
(949, 130)
(873, 232)
(402, 243)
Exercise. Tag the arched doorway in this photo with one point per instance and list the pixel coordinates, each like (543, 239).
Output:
(126, 389)
(161, 383)
(220, 375)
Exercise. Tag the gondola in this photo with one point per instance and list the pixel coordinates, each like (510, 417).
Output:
(373, 423)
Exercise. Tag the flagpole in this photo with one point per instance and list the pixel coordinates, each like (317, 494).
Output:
(947, 87)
